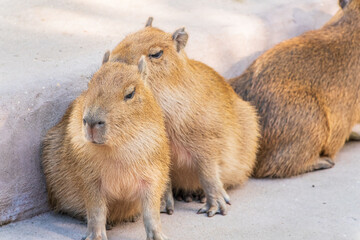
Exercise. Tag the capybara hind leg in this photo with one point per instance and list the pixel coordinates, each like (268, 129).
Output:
(321, 163)
(278, 165)
(199, 195)
(189, 196)
(183, 195)
(354, 136)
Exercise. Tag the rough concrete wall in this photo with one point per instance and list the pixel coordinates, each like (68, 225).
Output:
(50, 48)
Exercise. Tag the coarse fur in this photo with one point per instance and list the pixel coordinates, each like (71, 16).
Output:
(124, 175)
(213, 133)
(307, 92)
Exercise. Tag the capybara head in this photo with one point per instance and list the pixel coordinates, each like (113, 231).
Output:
(163, 51)
(114, 102)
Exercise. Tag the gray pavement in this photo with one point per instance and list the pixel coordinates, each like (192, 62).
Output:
(322, 205)
(49, 49)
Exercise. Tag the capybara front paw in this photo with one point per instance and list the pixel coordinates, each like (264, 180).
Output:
(156, 235)
(215, 205)
(94, 236)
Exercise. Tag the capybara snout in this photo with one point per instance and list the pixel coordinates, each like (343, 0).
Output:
(95, 125)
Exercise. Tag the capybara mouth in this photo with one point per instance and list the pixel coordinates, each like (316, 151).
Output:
(97, 143)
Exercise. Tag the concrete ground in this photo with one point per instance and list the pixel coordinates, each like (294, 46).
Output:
(322, 205)
(49, 49)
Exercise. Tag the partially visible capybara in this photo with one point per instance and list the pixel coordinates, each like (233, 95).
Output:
(213, 133)
(307, 92)
(108, 159)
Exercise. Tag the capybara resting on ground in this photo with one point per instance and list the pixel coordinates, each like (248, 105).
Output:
(108, 159)
(213, 133)
(307, 92)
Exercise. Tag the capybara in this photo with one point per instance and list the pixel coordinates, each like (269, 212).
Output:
(307, 92)
(213, 133)
(108, 160)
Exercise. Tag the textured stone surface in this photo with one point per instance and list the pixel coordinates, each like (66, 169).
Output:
(50, 48)
(321, 205)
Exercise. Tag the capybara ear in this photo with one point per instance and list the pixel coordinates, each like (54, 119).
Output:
(344, 3)
(142, 67)
(180, 37)
(149, 22)
(106, 57)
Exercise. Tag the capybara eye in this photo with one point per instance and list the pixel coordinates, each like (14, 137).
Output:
(101, 123)
(84, 121)
(156, 55)
(130, 95)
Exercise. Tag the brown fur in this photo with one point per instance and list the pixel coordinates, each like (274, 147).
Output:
(213, 133)
(307, 92)
(125, 175)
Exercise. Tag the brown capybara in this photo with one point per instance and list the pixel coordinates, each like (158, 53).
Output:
(307, 92)
(213, 133)
(108, 159)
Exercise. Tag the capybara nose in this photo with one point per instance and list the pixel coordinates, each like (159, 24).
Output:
(93, 122)
(94, 129)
